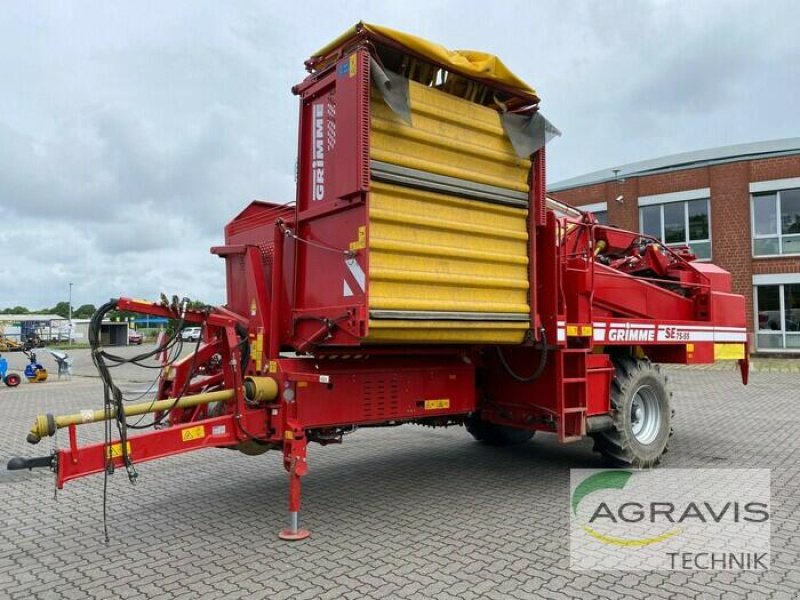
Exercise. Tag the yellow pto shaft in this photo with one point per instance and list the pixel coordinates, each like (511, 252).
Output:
(46, 425)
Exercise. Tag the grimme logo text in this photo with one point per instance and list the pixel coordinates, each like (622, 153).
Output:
(318, 161)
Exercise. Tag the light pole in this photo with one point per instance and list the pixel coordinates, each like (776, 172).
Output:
(69, 335)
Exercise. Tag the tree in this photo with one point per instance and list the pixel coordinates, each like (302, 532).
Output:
(197, 304)
(16, 310)
(61, 309)
(85, 311)
(120, 315)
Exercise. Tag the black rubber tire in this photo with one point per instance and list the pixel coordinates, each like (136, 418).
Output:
(496, 435)
(12, 380)
(619, 445)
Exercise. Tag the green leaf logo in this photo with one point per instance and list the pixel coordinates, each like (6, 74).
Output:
(599, 481)
(612, 480)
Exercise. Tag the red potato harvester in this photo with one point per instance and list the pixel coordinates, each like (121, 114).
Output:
(422, 276)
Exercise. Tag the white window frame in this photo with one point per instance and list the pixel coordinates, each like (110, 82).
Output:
(596, 207)
(685, 196)
(775, 186)
(779, 280)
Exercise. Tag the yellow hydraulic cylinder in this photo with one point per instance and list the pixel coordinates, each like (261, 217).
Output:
(46, 425)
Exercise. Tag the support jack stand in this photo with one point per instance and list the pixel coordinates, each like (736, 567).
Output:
(295, 463)
(293, 533)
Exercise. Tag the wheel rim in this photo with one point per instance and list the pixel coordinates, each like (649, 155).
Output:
(645, 415)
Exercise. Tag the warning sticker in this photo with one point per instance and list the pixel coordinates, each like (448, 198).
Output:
(115, 450)
(439, 404)
(193, 433)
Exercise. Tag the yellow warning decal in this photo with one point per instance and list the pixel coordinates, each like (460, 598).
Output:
(288, 434)
(579, 330)
(437, 404)
(115, 450)
(273, 366)
(193, 433)
(353, 64)
(257, 349)
(361, 242)
(728, 351)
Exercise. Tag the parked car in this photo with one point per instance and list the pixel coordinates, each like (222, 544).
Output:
(190, 334)
(135, 337)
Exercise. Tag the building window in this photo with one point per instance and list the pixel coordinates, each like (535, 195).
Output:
(684, 223)
(599, 210)
(776, 223)
(778, 316)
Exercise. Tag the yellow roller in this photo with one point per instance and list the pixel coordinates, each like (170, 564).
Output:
(435, 252)
(450, 136)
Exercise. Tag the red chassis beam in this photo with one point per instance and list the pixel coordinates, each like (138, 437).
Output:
(220, 316)
(218, 432)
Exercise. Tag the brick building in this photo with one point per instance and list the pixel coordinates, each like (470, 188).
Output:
(738, 206)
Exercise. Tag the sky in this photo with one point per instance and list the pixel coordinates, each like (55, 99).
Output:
(130, 133)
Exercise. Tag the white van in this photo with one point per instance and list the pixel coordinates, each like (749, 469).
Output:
(190, 334)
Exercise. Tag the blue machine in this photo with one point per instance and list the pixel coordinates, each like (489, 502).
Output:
(34, 372)
(10, 379)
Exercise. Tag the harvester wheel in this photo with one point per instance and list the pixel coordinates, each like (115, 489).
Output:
(496, 435)
(12, 380)
(640, 399)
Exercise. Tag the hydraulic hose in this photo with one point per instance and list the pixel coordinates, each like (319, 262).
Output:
(539, 369)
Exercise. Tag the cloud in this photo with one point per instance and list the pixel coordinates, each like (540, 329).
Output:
(130, 136)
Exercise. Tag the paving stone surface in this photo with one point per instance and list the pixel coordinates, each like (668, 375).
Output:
(406, 512)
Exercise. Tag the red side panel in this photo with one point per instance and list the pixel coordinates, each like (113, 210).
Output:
(638, 298)
(720, 279)
(333, 179)
(360, 391)
(728, 310)
(256, 227)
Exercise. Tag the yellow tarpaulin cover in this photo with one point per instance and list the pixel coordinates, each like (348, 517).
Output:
(471, 63)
